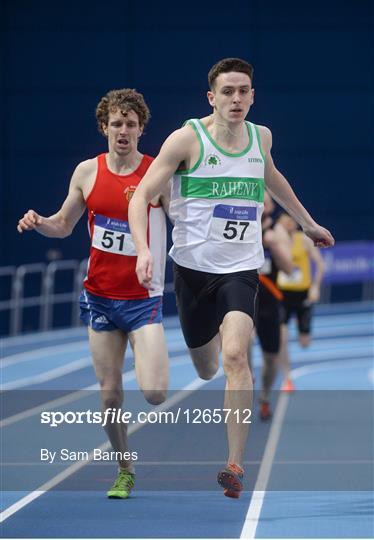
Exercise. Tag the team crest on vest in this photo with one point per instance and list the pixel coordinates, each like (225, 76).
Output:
(212, 160)
(129, 192)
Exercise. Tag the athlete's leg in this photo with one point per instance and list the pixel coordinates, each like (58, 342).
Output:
(269, 372)
(268, 330)
(249, 352)
(108, 349)
(286, 310)
(151, 361)
(284, 360)
(198, 318)
(205, 358)
(235, 330)
(304, 320)
(305, 340)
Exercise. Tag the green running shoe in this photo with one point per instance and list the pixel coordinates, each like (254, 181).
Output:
(123, 485)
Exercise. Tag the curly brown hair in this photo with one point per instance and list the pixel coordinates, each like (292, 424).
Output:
(124, 100)
(225, 66)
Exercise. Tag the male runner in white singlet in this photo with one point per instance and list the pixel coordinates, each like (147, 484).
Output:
(221, 165)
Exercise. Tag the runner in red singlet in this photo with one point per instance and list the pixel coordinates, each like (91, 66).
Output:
(113, 304)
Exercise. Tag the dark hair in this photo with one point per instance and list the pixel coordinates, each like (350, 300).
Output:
(124, 100)
(225, 66)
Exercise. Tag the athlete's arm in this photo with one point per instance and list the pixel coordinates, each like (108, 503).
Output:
(164, 199)
(62, 223)
(281, 191)
(279, 244)
(174, 150)
(314, 292)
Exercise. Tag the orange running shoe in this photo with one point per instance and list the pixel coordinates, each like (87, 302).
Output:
(288, 386)
(265, 412)
(231, 479)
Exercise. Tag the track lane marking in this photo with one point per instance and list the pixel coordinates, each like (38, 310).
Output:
(30, 497)
(254, 510)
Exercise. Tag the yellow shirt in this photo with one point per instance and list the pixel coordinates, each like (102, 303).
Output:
(300, 279)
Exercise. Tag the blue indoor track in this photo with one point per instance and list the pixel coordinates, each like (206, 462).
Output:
(309, 471)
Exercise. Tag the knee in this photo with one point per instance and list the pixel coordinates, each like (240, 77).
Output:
(155, 397)
(112, 398)
(234, 359)
(207, 372)
(206, 363)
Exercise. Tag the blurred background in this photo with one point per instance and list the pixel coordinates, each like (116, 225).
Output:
(313, 83)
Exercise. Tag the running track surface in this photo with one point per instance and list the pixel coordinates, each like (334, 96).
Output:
(308, 472)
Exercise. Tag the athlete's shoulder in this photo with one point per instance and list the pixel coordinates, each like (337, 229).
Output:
(264, 131)
(186, 132)
(188, 129)
(188, 135)
(266, 137)
(87, 166)
(84, 171)
(179, 144)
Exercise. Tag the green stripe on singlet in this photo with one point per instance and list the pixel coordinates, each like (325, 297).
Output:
(251, 189)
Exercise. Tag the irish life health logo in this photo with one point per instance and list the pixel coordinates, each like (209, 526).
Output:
(212, 160)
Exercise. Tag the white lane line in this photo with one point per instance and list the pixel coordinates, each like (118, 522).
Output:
(63, 475)
(324, 332)
(337, 316)
(331, 354)
(37, 354)
(170, 322)
(44, 337)
(173, 338)
(207, 463)
(79, 394)
(45, 376)
(254, 510)
(320, 329)
(327, 366)
(174, 341)
(257, 500)
(345, 350)
(64, 369)
(74, 396)
(130, 375)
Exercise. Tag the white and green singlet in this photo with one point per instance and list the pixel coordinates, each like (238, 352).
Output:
(217, 205)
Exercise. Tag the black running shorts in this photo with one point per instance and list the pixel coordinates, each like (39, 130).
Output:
(203, 299)
(268, 321)
(297, 302)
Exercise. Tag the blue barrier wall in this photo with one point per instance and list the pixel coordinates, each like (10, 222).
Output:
(313, 80)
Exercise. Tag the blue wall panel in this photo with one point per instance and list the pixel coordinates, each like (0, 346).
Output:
(313, 80)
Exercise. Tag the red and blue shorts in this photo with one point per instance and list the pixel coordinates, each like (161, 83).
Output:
(102, 313)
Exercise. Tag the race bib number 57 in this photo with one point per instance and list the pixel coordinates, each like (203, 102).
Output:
(234, 223)
(113, 236)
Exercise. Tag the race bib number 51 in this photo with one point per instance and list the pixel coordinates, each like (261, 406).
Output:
(113, 236)
(234, 223)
